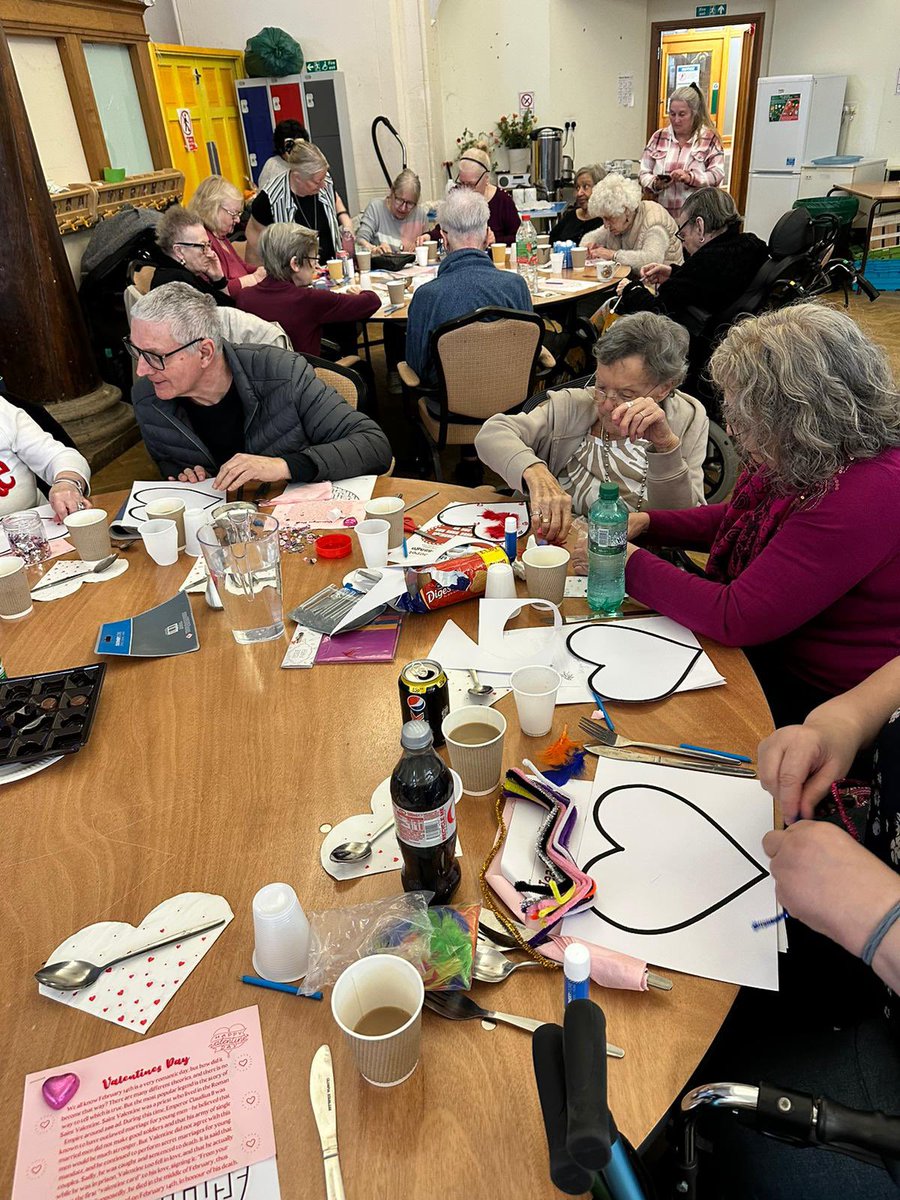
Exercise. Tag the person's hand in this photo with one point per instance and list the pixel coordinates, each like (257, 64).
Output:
(250, 468)
(65, 498)
(383, 248)
(489, 238)
(638, 524)
(827, 880)
(423, 239)
(602, 252)
(679, 176)
(213, 269)
(659, 183)
(621, 286)
(550, 506)
(352, 289)
(644, 418)
(799, 763)
(254, 278)
(655, 273)
(191, 475)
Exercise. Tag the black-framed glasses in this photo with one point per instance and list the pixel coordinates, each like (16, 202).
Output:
(679, 231)
(475, 182)
(401, 203)
(154, 360)
(195, 245)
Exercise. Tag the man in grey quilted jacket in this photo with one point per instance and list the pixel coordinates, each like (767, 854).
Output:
(238, 413)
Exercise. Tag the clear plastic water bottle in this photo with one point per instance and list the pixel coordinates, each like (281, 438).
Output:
(526, 253)
(607, 538)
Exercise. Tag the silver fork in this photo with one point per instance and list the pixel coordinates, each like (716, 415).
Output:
(607, 737)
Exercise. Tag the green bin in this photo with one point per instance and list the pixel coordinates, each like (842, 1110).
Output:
(844, 208)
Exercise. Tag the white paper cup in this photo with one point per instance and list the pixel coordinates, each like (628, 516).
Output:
(160, 540)
(281, 933)
(381, 981)
(421, 256)
(501, 582)
(390, 509)
(535, 691)
(479, 767)
(557, 258)
(545, 572)
(194, 520)
(170, 508)
(15, 597)
(373, 541)
(89, 533)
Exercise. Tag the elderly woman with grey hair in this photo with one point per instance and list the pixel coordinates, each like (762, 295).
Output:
(634, 429)
(396, 223)
(186, 255)
(804, 562)
(219, 205)
(635, 232)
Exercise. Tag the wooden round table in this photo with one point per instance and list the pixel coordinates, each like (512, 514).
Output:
(213, 772)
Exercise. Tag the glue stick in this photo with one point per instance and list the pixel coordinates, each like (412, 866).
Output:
(510, 532)
(577, 972)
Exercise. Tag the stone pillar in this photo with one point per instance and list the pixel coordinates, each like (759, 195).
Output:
(45, 352)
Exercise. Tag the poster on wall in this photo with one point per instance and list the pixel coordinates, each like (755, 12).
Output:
(187, 129)
(784, 108)
(686, 74)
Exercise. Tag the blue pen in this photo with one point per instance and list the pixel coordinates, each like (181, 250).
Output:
(405, 550)
(255, 981)
(602, 707)
(719, 753)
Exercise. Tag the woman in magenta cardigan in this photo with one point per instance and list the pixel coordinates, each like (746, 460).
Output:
(804, 560)
(218, 204)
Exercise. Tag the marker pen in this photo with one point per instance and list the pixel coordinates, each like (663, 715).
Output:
(577, 972)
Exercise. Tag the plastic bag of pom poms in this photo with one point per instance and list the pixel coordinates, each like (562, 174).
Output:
(454, 930)
(338, 937)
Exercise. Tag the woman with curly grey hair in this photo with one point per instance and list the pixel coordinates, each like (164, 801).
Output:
(804, 563)
(635, 232)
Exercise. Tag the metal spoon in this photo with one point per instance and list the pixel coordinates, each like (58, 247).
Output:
(354, 852)
(103, 565)
(492, 967)
(478, 690)
(458, 1007)
(72, 973)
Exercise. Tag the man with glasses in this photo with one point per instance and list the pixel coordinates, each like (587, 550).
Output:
(186, 255)
(238, 414)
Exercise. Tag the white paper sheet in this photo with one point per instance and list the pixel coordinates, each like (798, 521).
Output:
(680, 871)
(145, 491)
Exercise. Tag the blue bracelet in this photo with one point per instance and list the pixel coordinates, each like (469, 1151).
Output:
(878, 934)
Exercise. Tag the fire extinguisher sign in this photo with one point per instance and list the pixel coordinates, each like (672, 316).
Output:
(187, 129)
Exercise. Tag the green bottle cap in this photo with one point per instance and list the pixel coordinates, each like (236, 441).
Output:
(609, 491)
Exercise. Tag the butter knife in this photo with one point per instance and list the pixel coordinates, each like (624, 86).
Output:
(321, 1096)
(659, 760)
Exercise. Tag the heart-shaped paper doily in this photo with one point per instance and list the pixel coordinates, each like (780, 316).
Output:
(632, 666)
(683, 867)
(64, 578)
(385, 854)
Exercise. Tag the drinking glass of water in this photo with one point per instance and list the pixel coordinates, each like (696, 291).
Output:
(244, 560)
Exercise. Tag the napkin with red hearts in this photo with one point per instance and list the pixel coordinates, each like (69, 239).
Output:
(135, 992)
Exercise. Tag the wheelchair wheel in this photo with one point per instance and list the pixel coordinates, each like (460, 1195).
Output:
(720, 467)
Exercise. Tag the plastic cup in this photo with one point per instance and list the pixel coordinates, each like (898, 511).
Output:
(281, 933)
(336, 269)
(89, 533)
(498, 253)
(579, 257)
(535, 691)
(364, 260)
(373, 541)
(421, 256)
(194, 520)
(501, 582)
(545, 572)
(397, 291)
(15, 594)
(557, 258)
(381, 981)
(511, 257)
(432, 248)
(160, 540)
(480, 767)
(390, 509)
(169, 509)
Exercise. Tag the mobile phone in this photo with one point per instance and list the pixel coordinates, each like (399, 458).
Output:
(664, 178)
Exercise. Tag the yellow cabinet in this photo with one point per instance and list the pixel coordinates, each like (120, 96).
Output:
(201, 82)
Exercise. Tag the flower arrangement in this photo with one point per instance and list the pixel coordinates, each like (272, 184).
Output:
(468, 139)
(515, 131)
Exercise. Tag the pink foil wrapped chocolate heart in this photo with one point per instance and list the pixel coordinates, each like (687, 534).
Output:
(58, 1090)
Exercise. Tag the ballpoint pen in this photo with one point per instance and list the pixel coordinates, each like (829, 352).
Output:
(255, 981)
(602, 707)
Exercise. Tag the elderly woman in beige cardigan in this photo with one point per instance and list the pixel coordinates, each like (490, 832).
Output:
(633, 230)
(634, 428)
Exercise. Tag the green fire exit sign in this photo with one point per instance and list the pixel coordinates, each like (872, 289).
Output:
(320, 65)
(711, 10)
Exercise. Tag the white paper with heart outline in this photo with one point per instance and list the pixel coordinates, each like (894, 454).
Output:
(385, 854)
(135, 992)
(470, 516)
(674, 866)
(59, 575)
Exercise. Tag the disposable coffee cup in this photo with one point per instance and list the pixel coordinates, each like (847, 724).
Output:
(480, 764)
(281, 934)
(15, 594)
(421, 256)
(579, 257)
(373, 541)
(89, 533)
(364, 260)
(545, 572)
(500, 583)
(390, 509)
(432, 248)
(160, 540)
(336, 269)
(169, 509)
(557, 258)
(498, 253)
(377, 992)
(397, 291)
(535, 689)
(543, 239)
(543, 255)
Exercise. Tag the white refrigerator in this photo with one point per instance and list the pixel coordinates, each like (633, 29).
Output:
(797, 119)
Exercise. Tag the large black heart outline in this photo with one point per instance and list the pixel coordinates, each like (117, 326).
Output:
(138, 508)
(617, 848)
(596, 683)
(446, 515)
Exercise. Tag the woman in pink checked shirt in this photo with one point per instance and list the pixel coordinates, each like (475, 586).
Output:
(684, 156)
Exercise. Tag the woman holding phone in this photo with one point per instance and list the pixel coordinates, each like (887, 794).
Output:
(685, 155)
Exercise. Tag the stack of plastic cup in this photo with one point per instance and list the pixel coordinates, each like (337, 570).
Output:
(281, 933)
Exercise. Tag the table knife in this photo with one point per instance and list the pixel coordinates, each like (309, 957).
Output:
(712, 768)
(321, 1096)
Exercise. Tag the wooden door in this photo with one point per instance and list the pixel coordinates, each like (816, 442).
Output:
(699, 58)
(202, 81)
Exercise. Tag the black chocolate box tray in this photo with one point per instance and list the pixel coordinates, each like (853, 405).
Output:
(48, 714)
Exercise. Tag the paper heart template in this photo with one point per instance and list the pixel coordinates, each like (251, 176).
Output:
(681, 868)
(471, 518)
(633, 666)
(193, 495)
(385, 854)
(135, 992)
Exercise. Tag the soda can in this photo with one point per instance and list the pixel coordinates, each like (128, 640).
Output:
(424, 679)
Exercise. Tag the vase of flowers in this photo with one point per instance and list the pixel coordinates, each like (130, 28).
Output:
(515, 134)
(485, 141)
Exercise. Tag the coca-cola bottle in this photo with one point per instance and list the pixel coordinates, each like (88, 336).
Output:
(425, 815)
